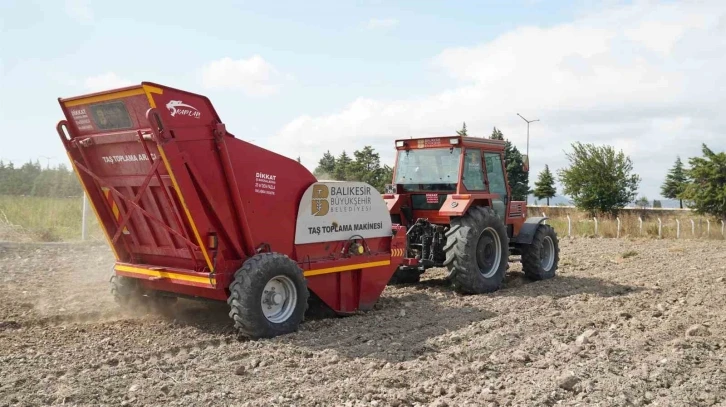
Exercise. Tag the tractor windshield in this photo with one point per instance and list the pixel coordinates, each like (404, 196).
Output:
(432, 169)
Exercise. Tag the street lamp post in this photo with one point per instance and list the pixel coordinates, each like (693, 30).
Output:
(528, 122)
(47, 164)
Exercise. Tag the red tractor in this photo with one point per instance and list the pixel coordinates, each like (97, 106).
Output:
(452, 195)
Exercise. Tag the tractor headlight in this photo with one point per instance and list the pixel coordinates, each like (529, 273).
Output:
(400, 143)
(454, 141)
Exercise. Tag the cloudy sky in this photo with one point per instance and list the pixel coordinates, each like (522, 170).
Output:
(301, 78)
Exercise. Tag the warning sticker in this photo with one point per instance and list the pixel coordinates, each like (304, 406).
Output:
(80, 116)
(265, 183)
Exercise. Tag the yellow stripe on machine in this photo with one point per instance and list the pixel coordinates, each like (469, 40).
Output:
(103, 98)
(149, 90)
(166, 274)
(349, 267)
(114, 207)
(186, 210)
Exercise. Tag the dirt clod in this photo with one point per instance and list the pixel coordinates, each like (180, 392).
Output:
(568, 381)
(520, 356)
(697, 330)
(585, 337)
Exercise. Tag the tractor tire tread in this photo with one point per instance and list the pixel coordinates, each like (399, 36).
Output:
(531, 265)
(460, 259)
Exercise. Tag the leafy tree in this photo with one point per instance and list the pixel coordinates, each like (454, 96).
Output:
(706, 190)
(517, 176)
(642, 202)
(497, 134)
(364, 166)
(599, 179)
(33, 180)
(462, 132)
(544, 187)
(326, 166)
(657, 204)
(342, 167)
(675, 182)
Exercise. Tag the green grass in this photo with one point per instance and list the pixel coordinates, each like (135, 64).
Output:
(45, 219)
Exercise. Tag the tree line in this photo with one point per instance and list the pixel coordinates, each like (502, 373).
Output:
(31, 179)
(601, 180)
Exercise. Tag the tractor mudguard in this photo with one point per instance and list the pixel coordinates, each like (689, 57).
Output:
(458, 204)
(529, 227)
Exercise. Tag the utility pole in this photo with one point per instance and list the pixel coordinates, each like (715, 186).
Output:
(528, 122)
(47, 165)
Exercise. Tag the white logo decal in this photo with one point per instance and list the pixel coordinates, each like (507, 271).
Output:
(177, 107)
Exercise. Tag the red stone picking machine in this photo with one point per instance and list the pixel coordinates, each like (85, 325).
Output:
(191, 211)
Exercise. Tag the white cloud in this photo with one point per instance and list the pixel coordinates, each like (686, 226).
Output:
(644, 78)
(254, 76)
(105, 81)
(381, 23)
(79, 10)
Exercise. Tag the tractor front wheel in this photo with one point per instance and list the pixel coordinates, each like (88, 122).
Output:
(477, 251)
(268, 296)
(540, 259)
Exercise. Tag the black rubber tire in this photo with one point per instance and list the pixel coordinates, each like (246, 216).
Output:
(246, 293)
(125, 290)
(404, 277)
(127, 293)
(461, 257)
(531, 254)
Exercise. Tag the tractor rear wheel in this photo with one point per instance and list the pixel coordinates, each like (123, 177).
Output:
(477, 251)
(268, 296)
(540, 259)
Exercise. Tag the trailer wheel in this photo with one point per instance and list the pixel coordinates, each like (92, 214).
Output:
(540, 259)
(477, 251)
(268, 296)
(127, 293)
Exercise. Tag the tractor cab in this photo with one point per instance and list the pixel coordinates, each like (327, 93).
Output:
(432, 171)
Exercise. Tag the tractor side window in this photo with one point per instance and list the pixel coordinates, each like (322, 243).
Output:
(495, 175)
(473, 173)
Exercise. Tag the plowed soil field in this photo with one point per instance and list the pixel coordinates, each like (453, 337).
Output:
(624, 323)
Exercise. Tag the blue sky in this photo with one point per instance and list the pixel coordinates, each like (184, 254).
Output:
(302, 77)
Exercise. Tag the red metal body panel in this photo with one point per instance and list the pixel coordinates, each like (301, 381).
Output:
(184, 203)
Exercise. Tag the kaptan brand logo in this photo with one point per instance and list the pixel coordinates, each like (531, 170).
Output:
(179, 108)
(320, 204)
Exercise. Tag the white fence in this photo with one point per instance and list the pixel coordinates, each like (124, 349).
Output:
(695, 232)
(596, 226)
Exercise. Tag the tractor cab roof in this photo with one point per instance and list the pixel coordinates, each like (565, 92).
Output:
(451, 141)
